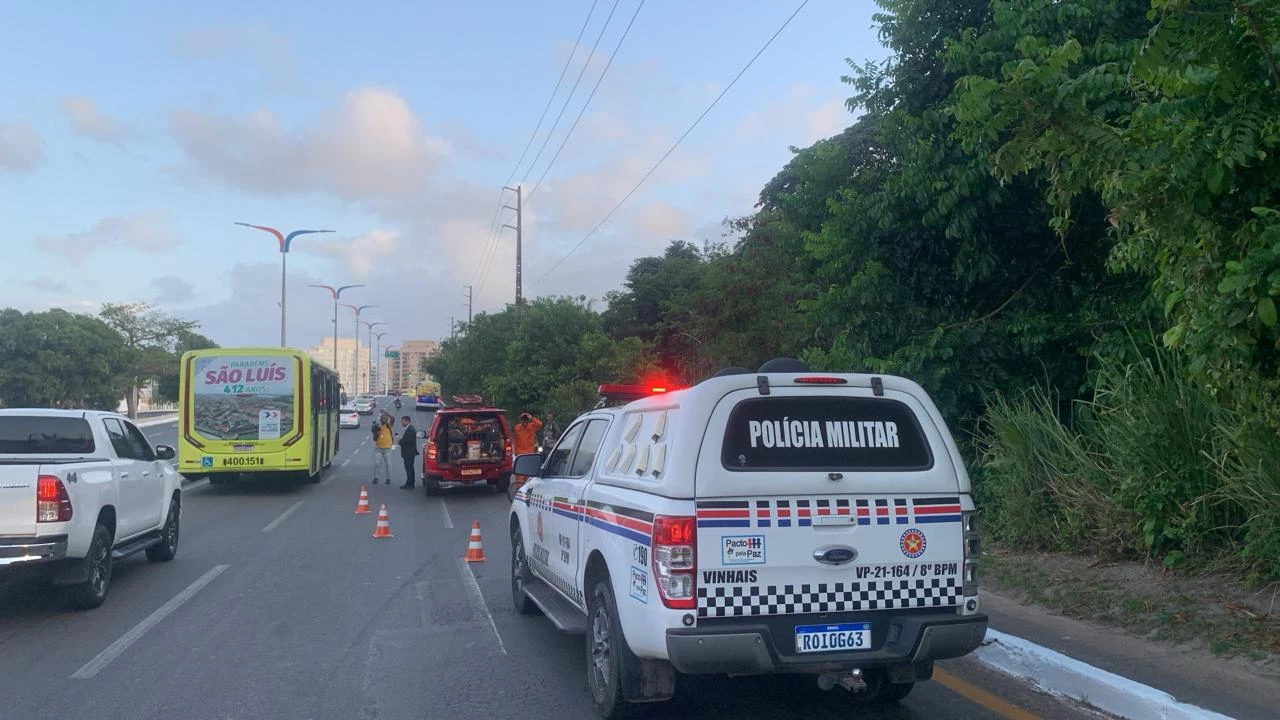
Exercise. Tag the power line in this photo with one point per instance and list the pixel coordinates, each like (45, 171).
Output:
(583, 111)
(556, 89)
(492, 239)
(676, 143)
(572, 90)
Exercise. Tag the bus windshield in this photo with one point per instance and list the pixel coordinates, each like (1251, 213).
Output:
(242, 397)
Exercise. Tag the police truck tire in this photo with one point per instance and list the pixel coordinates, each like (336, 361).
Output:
(520, 575)
(93, 591)
(894, 692)
(608, 655)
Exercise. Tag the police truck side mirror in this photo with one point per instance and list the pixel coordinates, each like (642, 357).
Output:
(529, 464)
(165, 452)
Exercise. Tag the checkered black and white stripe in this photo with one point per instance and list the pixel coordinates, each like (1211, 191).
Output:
(747, 600)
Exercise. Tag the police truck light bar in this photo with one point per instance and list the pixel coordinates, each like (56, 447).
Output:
(618, 393)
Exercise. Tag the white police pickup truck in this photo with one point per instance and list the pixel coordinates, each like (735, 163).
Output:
(79, 489)
(784, 521)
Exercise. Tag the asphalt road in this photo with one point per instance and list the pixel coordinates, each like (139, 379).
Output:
(280, 604)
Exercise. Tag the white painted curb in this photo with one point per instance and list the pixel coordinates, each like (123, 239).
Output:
(1057, 674)
(165, 420)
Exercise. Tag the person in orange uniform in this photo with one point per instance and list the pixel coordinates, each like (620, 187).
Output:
(525, 440)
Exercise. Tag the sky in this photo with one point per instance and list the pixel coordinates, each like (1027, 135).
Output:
(134, 137)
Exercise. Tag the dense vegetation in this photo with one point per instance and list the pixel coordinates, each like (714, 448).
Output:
(1060, 216)
(59, 359)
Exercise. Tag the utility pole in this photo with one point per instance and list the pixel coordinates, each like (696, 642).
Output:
(519, 269)
(470, 290)
(453, 333)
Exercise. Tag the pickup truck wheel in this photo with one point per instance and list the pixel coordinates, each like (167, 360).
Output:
(608, 656)
(520, 575)
(93, 592)
(893, 692)
(164, 550)
(431, 483)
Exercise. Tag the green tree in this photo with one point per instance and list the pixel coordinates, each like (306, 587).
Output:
(149, 337)
(1171, 114)
(167, 385)
(58, 359)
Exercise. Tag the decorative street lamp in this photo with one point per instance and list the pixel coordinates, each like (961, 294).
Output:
(355, 354)
(377, 363)
(285, 242)
(371, 326)
(336, 292)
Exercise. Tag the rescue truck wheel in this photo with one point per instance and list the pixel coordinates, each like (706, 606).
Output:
(504, 482)
(431, 483)
(608, 655)
(520, 575)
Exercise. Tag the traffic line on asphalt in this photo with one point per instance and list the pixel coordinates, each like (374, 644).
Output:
(975, 694)
(282, 517)
(448, 520)
(115, 649)
(477, 599)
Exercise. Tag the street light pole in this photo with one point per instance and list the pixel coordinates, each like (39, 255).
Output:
(371, 326)
(285, 242)
(355, 354)
(377, 365)
(336, 292)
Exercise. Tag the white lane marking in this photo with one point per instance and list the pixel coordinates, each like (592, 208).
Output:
(473, 589)
(118, 647)
(448, 521)
(281, 518)
(344, 462)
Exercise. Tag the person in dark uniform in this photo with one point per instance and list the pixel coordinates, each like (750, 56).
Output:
(408, 452)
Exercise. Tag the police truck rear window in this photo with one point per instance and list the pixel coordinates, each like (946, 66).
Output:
(824, 433)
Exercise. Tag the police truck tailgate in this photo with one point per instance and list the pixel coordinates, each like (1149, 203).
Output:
(825, 500)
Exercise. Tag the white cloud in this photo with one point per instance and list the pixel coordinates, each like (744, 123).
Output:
(172, 290)
(272, 53)
(359, 256)
(21, 147)
(86, 120)
(660, 220)
(49, 284)
(146, 232)
(802, 118)
(371, 148)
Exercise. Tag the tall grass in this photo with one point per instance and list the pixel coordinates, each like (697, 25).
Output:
(1152, 466)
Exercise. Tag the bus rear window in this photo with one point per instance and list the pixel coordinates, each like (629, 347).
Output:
(45, 435)
(242, 397)
(824, 434)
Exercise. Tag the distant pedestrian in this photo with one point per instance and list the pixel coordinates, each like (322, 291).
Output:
(382, 450)
(550, 431)
(408, 451)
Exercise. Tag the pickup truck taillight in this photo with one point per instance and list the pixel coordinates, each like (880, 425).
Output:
(53, 504)
(675, 561)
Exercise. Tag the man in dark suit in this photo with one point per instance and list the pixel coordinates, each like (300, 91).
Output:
(408, 452)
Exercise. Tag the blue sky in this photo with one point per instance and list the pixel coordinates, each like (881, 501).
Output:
(132, 140)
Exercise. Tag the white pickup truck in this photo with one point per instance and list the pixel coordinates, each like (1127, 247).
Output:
(79, 489)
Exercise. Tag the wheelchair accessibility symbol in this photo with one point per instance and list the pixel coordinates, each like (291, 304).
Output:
(206, 461)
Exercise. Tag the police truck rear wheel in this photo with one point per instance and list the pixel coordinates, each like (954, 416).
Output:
(607, 655)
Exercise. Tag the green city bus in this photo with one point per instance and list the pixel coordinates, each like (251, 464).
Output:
(259, 411)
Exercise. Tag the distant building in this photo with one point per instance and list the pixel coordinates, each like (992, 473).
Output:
(404, 373)
(352, 383)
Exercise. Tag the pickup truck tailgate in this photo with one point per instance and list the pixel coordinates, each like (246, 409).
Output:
(18, 500)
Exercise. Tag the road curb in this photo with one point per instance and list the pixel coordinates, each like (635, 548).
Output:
(157, 421)
(1058, 674)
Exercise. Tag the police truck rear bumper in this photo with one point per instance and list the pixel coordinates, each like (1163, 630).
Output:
(748, 649)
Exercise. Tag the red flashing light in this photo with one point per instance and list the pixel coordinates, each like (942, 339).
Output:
(821, 380)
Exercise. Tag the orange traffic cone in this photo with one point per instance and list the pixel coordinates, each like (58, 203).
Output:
(362, 507)
(475, 550)
(383, 530)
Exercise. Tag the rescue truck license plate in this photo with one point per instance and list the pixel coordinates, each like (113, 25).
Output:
(833, 638)
(471, 472)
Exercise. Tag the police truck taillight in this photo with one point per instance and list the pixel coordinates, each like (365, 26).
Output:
(675, 565)
(972, 552)
(53, 504)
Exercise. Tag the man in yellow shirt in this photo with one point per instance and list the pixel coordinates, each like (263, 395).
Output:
(382, 451)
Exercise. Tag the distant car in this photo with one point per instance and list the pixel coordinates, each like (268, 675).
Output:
(467, 444)
(364, 406)
(349, 417)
